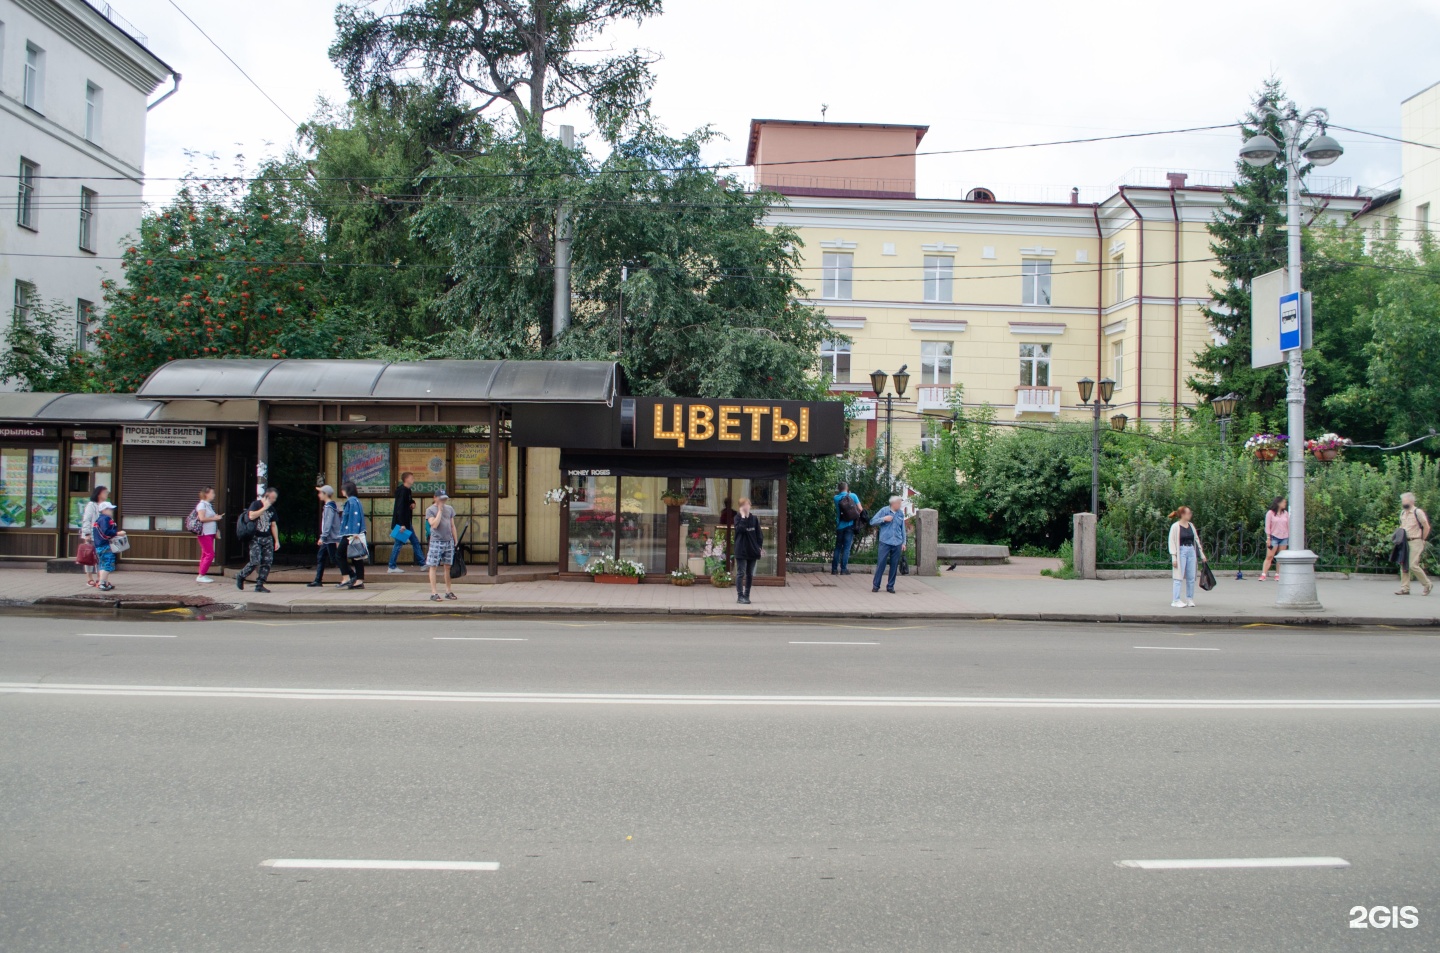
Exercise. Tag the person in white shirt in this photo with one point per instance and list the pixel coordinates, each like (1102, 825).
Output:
(88, 516)
(209, 531)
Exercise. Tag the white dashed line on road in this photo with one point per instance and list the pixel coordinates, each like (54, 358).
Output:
(1235, 863)
(473, 638)
(382, 864)
(834, 643)
(1176, 648)
(123, 635)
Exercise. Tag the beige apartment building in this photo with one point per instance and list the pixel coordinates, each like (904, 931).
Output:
(1013, 301)
(1410, 209)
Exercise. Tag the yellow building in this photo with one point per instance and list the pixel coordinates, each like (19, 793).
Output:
(1014, 301)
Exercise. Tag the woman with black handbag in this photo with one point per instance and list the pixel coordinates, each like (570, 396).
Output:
(1186, 556)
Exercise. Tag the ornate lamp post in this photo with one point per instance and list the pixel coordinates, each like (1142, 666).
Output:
(1107, 391)
(1224, 408)
(1297, 564)
(877, 383)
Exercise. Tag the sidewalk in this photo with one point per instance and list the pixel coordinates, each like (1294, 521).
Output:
(1016, 591)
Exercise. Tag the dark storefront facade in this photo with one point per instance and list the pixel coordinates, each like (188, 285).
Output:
(545, 462)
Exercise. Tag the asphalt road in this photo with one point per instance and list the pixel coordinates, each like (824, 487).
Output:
(711, 786)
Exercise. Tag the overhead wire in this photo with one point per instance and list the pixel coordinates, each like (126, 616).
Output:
(222, 52)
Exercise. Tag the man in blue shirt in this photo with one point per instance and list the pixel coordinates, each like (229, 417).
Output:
(891, 521)
(844, 529)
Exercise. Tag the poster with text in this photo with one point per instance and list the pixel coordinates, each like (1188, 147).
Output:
(45, 488)
(472, 468)
(14, 486)
(367, 465)
(426, 461)
(90, 456)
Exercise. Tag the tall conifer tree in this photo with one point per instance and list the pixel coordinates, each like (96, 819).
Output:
(1248, 239)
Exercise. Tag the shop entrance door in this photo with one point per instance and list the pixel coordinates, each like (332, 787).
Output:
(239, 494)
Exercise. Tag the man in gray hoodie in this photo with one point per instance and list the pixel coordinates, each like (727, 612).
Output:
(329, 536)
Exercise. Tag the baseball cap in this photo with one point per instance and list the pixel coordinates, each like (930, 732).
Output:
(328, 490)
(440, 494)
(107, 505)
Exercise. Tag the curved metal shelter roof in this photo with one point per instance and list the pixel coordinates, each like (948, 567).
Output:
(503, 382)
(77, 408)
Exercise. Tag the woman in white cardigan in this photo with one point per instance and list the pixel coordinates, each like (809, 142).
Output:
(1185, 555)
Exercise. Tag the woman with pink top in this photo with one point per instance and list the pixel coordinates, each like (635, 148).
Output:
(1277, 534)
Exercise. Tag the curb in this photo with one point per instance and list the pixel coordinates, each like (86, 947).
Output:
(370, 610)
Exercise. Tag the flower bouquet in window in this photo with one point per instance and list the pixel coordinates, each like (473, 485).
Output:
(1327, 446)
(561, 494)
(1266, 446)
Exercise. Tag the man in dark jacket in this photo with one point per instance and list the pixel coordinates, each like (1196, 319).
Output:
(403, 517)
(749, 549)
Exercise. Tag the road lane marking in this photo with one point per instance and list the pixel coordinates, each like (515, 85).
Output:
(1176, 648)
(123, 635)
(834, 643)
(473, 638)
(291, 863)
(842, 701)
(1229, 863)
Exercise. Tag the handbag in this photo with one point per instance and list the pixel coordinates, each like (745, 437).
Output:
(85, 554)
(357, 548)
(120, 544)
(1207, 578)
(457, 562)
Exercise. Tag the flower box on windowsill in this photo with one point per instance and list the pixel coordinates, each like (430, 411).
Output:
(615, 580)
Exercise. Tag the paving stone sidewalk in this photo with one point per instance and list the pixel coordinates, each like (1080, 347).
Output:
(1016, 591)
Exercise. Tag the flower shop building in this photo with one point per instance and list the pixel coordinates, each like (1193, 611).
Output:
(548, 463)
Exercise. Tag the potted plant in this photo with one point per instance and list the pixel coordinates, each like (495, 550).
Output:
(682, 577)
(1327, 446)
(672, 498)
(615, 572)
(1266, 446)
(720, 576)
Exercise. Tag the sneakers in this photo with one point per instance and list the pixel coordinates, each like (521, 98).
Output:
(260, 587)
(1426, 591)
(1189, 603)
(395, 571)
(1402, 592)
(314, 585)
(203, 579)
(1177, 604)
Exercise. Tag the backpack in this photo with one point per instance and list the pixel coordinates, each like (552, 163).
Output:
(849, 509)
(244, 525)
(192, 522)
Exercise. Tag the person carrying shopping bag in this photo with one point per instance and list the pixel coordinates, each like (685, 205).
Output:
(85, 551)
(1186, 554)
(106, 533)
(354, 548)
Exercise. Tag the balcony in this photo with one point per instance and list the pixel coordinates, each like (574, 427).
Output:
(1037, 400)
(932, 397)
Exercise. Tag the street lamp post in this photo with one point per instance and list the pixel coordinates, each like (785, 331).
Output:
(1107, 390)
(1224, 409)
(1297, 564)
(877, 383)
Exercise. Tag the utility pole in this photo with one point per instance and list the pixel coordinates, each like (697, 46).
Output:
(560, 320)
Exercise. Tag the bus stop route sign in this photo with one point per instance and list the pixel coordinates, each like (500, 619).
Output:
(1290, 321)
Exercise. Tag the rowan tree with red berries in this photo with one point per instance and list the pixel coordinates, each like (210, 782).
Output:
(229, 268)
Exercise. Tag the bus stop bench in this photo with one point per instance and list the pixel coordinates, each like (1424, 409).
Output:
(482, 548)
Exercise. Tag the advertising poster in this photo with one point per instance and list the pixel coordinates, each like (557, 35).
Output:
(426, 461)
(45, 488)
(367, 465)
(472, 468)
(90, 456)
(14, 486)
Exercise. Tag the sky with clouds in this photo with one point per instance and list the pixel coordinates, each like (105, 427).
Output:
(978, 75)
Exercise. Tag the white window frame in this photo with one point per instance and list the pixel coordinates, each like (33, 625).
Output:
(83, 311)
(1117, 362)
(1119, 262)
(837, 275)
(94, 111)
(1034, 364)
(1422, 218)
(831, 355)
(937, 363)
(25, 197)
(32, 93)
(87, 220)
(939, 278)
(24, 301)
(1035, 278)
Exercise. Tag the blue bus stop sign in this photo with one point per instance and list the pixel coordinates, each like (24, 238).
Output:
(1290, 321)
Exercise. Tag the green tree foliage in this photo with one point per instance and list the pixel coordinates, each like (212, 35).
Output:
(40, 352)
(1248, 240)
(530, 56)
(227, 269)
(364, 185)
(709, 303)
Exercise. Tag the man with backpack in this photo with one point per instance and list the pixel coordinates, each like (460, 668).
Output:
(258, 524)
(848, 512)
